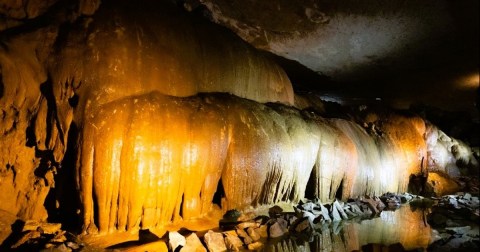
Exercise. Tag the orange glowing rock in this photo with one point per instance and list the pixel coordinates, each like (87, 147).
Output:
(145, 158)
(439, 184)
(154, 46)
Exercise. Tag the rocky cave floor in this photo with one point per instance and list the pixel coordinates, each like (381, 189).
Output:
(453, 219)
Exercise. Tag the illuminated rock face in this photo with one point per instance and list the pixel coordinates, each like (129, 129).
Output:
(448, 155)
(388, 151)
(152, 160)
(270, 156)
(146, 158)
(22, 192)
(131, 49)
(336, 163)
(54, 75)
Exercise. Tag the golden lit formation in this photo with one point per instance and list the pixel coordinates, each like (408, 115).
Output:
(153, 160)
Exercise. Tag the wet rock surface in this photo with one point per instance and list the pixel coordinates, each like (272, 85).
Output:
(455, 219)
(311, 226)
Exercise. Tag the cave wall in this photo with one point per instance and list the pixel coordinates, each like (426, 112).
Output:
(55, 72)
(25, 178)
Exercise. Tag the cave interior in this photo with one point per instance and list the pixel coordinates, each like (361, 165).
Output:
(156, 125)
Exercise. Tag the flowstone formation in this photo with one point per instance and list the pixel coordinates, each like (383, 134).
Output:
(163, 159)
(165, 121)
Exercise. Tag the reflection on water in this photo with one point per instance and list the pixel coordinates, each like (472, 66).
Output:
(404, 225)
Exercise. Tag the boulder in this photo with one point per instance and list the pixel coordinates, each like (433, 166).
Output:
(193, 244)
(274, 211)
(276, 230)
(255, 246)
(175, 240)
(233, 243)
(214, 241)
(262, 231)
(43, 227)
(303, 225)
(308, 215)
(252, 232)
(339, 208)
(247, 224)
(335, 214)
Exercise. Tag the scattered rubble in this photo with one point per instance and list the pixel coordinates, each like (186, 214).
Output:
(42, 236)
(455, 219)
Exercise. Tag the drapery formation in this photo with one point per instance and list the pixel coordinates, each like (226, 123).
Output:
(149, 160)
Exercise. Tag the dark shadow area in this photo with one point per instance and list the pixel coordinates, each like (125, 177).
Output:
(54, 15)
(462, 125)
(31, 140)
(67, 194)
(47, 165)
(1, 85)
(310, 188)
(303, 79)
(145, 236)
(416, 184)
(46, 90)
(374, 247)
(219, 194)
(339, 192)
(17, 227)
(180, 212)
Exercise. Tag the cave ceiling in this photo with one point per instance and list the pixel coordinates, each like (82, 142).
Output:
(398, 51)
(401, 51)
